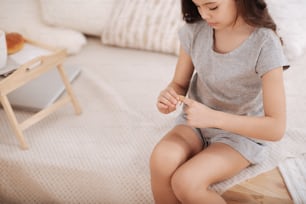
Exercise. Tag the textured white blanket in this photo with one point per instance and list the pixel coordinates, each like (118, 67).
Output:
(294, 174)
(102, 156)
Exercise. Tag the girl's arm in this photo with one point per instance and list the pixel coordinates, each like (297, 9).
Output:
(183, 72)
(270, 127)
(169, 97)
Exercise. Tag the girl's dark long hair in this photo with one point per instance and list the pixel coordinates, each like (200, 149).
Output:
(254, 13)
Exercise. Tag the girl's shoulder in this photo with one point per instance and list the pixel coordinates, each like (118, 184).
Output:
(195, 27)
(265, 35)
(270, 50)
(191, 33)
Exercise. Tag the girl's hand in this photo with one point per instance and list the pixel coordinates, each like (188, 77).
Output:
(198, 115)
(167, 100)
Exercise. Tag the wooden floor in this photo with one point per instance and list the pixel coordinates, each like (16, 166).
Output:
(266, 188)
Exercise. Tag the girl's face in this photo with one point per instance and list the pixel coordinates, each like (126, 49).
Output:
(218, 14)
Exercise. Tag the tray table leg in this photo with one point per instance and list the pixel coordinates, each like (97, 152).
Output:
(69, 90)
(13, 121)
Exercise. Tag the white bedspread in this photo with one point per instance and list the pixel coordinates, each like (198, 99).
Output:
(102, 155)
(294, 173)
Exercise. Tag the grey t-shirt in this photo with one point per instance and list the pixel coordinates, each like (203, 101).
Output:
(231, 82)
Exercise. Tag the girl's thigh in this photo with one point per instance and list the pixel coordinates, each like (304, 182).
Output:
(177, 146)
(185, 138)
(216, 163)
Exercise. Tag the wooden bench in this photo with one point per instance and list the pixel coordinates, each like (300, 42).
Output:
(266, 188)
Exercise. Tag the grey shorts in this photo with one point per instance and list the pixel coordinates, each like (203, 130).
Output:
(254, 151)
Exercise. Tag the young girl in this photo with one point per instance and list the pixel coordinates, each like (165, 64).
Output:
(231, 64)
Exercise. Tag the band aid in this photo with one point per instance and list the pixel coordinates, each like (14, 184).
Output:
(181, 98)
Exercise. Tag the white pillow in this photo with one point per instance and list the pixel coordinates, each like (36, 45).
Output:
(290, 18)
(85, 16)
(24, 17)
(145, 24)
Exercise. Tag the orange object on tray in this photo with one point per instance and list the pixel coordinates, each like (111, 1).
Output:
(14, 42)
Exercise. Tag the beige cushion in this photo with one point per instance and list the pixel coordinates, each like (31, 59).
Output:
(24, 17)
(144, 24)
(85, 16)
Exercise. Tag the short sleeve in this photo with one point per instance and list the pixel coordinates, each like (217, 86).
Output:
(271, 55)
(185, 34)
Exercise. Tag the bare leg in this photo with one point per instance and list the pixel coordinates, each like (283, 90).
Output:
(218, 162)
(180, 144)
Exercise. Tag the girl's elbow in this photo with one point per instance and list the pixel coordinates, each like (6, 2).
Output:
(277, 137)
(279, 132)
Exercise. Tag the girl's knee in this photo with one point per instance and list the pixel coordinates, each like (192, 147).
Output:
(163, 158)
(185, 186)
(180, 182)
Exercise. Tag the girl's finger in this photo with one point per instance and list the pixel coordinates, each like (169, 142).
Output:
(174, 94)
(168, 99)
(187, 101)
